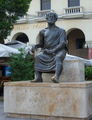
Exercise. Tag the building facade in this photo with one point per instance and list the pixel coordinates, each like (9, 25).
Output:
(75, 16)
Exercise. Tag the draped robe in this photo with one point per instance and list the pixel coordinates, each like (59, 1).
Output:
(45, 62)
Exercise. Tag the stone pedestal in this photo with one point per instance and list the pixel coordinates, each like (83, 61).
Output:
(73, 71)
(48, 101)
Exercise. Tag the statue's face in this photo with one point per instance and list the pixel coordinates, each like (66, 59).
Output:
(51, 18)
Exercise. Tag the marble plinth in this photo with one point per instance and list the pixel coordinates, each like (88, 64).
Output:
(48, 101)
(73, 71)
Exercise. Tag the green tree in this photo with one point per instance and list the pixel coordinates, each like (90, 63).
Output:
(22, 68)
(88, 73)
(10, 11)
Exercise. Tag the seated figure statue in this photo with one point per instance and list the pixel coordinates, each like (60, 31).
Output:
(54, 47)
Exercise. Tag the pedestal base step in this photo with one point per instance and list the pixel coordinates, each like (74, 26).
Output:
(41, 117)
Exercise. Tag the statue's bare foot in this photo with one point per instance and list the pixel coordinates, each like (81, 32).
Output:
(55, 79)
(37, 80)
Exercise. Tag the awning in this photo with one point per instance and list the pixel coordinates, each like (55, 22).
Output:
(12, 47)
(17, 44)
(5, 50)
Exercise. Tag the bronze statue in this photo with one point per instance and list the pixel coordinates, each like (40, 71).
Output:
(54, 47)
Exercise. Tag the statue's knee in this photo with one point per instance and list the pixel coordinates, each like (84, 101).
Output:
(58, 58)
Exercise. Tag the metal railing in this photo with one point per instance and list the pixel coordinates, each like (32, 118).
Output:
(71, 10)
(43, 13)
(27, 16)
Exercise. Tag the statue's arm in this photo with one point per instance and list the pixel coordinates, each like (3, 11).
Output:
(41, 42)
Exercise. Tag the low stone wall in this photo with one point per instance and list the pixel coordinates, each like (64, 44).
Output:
(63, 101)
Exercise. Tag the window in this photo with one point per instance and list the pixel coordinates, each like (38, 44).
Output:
(72, 3)
(80, 43)
(45, 4)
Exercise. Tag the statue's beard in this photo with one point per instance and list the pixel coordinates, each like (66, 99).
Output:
(51, 21)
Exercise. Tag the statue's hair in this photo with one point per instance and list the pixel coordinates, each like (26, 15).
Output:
(55, 15)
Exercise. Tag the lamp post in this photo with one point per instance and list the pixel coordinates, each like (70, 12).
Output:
(89, 43)
(86, 45)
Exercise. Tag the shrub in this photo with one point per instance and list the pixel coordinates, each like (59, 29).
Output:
(22, 68)
(88, 73)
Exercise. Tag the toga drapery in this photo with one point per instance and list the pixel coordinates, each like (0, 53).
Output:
(45, 62)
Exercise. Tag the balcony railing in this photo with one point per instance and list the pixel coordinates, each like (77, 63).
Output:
(43, 13)
(27, 16)
(71, 10)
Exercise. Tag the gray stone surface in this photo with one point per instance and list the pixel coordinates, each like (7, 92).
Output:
(4, 116)
(67, 99)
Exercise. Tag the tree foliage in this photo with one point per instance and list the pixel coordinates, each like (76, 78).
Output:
(88, 73)
(10, 11)
(22, 68)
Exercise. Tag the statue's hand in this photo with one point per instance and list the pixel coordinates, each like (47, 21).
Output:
(51, 52)
(46, 50)
(33, 48)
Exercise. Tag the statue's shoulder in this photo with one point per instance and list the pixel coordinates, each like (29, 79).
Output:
(61, 29)
(43, 30)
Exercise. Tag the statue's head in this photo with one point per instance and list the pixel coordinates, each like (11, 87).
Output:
(51, 17)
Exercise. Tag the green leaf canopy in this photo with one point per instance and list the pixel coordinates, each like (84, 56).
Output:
(10, 11)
